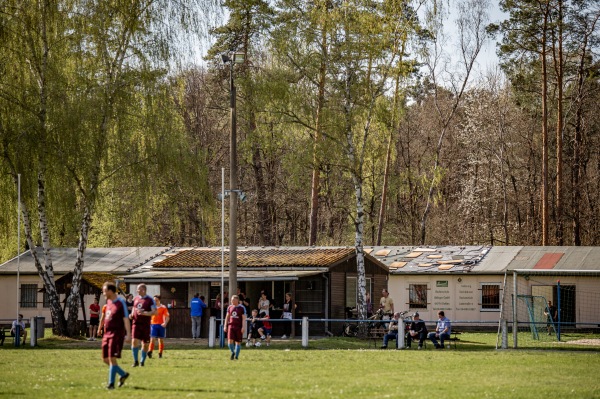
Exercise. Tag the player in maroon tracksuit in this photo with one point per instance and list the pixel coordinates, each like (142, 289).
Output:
(143, 310)
(116, 331)
(235, 323)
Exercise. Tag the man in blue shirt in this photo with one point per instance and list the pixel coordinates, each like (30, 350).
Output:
(443, 330)
(196, 306)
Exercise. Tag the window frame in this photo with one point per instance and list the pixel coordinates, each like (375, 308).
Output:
(422, 304)
(483, 304)
(28, 296)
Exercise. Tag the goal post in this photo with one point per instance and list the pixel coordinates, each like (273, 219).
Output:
(541, 305)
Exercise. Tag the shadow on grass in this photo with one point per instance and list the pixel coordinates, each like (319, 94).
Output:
(471, 342)
(182, 390)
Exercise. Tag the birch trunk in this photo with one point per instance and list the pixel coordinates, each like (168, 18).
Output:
(315, 183)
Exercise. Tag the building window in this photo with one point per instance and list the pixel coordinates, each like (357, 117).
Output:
(352, 291)
(490, 296)
(29, 295)
(417, 296)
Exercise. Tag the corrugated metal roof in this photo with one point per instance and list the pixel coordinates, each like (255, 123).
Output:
(574, 258)
(104, 260)
(242, 275)
(258, 257)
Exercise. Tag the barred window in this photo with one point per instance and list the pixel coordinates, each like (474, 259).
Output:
(29, 295)
(490, 296)
(417, 296)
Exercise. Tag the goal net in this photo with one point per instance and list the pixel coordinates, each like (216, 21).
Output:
(541, 308)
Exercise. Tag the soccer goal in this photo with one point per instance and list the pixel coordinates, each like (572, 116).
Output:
(540, 306)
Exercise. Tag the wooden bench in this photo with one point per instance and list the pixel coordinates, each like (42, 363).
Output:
(4, 334)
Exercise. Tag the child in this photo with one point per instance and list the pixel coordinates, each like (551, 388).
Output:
(265, 330)
(253, 331)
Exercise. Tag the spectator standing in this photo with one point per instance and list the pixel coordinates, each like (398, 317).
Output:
(392, 333)
(218, 302)
(197, 305)
(143, 310)
(443, 330)
(129, 302)
(551, 314)
(263, 303)
(386, 302)
(417, 330)
(234, 326)
(288, 308)
(117, 330)
(158, 327)
(369, 304)
(94, 319)
(101, 321)
(22, 331)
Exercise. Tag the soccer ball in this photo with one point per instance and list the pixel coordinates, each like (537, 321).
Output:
(258, 344)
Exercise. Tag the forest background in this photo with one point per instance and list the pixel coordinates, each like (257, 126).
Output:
(356, 120)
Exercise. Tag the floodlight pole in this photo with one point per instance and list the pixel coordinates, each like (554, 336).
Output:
(18, 251)
(233, 182)
(221, 332)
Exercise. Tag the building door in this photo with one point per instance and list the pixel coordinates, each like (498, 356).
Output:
(567, 304)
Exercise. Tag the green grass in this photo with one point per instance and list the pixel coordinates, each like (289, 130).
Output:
(330, 368)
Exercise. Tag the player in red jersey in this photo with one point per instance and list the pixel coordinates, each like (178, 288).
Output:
(235, 324)
(116, 331)
(143, 310)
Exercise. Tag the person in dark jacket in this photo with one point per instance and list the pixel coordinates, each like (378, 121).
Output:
(416, 331)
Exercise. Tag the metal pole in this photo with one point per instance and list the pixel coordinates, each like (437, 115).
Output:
(514, 300)
(221, 332)
(233, 182)
(18, 329)
(557, 310)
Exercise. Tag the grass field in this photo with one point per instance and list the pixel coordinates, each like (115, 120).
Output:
(330, 368)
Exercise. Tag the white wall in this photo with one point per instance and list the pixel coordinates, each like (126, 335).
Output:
(460, 300)
(8, 298)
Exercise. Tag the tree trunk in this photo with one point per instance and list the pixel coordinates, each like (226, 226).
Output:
(74, 299)
(264, 225)
(544, 135)
(315, 183)
(558, 62)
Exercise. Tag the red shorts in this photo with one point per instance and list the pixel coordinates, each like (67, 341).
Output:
(235, 334)
(140, 332)
(112, 346)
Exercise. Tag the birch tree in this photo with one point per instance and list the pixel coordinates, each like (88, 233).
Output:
(81, 64)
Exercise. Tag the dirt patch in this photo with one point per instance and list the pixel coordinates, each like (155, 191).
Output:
(586, 342)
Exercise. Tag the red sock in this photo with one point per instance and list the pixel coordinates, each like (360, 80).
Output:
(151, 346)
(161, 347)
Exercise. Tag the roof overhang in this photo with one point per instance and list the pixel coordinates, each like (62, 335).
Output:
(210, 276)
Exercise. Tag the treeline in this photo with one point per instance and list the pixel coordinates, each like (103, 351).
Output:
(356, 121)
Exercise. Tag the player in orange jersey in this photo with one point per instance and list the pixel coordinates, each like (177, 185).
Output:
(158, 327)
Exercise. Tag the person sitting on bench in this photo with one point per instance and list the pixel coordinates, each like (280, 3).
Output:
(417, 330)
(442, 331)
(392, 331)
(21, 324)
